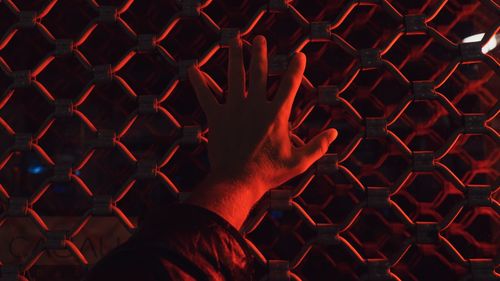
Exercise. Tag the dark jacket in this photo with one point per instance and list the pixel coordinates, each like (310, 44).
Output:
(179, 242)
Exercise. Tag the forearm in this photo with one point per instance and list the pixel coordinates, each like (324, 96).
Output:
(232, 199)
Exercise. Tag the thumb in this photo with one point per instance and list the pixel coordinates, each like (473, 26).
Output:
(315, 148)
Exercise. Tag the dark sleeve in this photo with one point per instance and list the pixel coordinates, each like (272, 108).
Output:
(179, 242)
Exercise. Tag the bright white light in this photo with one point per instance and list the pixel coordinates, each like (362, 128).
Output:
(492, 43)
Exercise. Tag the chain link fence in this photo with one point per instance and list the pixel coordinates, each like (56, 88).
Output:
(98, 123)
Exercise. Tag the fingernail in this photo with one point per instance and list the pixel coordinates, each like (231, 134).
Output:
(259, 39)
(333, 135)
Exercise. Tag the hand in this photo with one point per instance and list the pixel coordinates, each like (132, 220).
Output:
(249, 135)
(249, 141)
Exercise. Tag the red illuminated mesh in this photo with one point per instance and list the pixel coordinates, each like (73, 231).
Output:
(98, 123)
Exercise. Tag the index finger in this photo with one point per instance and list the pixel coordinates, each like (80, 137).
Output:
(204, 95)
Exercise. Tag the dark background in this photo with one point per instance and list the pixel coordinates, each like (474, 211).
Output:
(98, 123)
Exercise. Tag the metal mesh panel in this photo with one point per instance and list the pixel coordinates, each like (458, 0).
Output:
(98, 123)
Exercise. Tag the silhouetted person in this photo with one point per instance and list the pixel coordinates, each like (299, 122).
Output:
(250, 152)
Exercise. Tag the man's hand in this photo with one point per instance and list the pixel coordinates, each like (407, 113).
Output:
(249, 147)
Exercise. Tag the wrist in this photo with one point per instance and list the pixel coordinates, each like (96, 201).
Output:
(230, 197)
(246, 179)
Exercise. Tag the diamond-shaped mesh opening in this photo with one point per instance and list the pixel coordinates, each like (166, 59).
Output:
(216, 68)
(472, 88)
(59, 200)
(330, 198)
(412, 55)
(480, 148)
(187, 167)
(282, 31)
(376, 236)
(65, 77)
(78, 12)
(25, 109)
(106, 44)
(432, 188)
(354, 31)
(377, 162)
(107, 171)
(147, 74)
(474, 232)
(182, 102)
(150, 16)
(428, 262)
(327, 63)
(192, 39)
(375, 93)
(31, 43)
(24, 173)
(423, 125)
(286, 241)
(67, 139)
(160, 131)
(428, 197)
(108, 106)
(473, 151)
